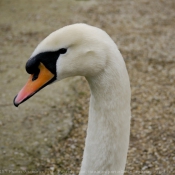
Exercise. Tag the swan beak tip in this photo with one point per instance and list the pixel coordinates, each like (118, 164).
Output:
(15, 104)
(32, 86)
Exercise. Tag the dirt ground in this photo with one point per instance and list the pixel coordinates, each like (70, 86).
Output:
(46, 134)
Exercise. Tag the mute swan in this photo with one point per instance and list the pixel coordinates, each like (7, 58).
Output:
(84, 50)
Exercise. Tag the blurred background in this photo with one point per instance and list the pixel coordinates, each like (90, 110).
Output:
(46, 134)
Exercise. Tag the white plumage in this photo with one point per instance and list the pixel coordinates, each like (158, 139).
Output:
(93, 54)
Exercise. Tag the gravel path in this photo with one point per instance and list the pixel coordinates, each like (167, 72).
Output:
(46, 134)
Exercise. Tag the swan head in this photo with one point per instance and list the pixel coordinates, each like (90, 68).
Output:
(73, 50)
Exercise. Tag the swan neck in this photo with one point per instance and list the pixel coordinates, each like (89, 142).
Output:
(108, 129)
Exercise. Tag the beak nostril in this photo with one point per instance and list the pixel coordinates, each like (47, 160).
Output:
(35, 75)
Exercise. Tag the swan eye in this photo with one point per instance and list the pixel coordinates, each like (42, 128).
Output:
(63, 51)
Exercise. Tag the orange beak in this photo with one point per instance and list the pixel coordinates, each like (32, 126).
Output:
(33, 86)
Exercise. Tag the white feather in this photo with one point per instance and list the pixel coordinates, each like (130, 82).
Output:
(93, 54)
